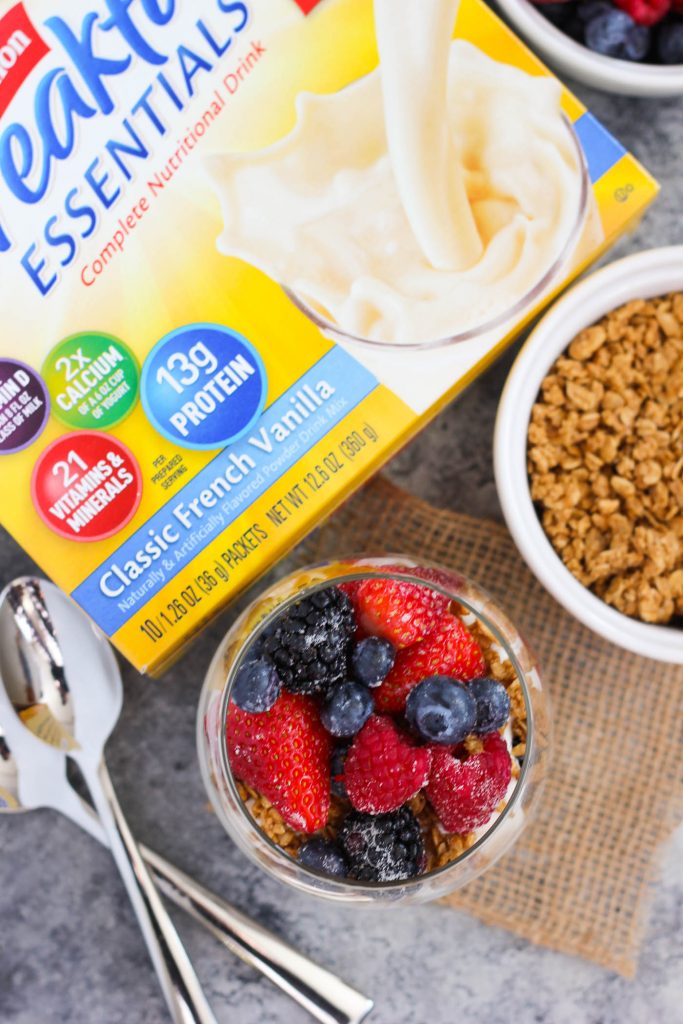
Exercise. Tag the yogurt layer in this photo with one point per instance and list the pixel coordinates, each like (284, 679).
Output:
(320, 210)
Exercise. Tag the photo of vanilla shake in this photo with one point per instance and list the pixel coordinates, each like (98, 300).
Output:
(425, 203)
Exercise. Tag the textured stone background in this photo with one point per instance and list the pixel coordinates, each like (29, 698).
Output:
(69, 948)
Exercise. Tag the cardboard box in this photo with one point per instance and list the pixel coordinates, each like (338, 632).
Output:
(171, 420)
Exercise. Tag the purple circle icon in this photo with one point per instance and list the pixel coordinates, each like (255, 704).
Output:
(24, 406)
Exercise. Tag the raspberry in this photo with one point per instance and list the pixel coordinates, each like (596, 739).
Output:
(400, 612)
(310, 645)
(284, 753)
(382, 847)
(383, 769)
(645, 12)
(464, 794)
(450, 650)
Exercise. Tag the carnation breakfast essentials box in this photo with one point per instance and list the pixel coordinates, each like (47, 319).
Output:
(205, 294)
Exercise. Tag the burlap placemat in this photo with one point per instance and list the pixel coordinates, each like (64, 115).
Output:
(578, 879)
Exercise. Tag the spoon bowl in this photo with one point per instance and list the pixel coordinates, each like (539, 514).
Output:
(74, 710)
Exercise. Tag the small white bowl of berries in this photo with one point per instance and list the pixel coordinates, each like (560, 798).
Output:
(373, 731)
(632, 47)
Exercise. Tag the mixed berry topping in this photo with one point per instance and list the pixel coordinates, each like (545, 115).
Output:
(647, 31)
(368, 720)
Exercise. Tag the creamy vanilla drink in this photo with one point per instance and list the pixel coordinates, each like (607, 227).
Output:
(414, 47)
(421, 201)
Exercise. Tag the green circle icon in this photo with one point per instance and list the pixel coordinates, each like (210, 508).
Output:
(93, 380)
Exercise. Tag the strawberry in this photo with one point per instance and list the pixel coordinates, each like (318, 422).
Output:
(350, 588)
(645, 12)
(285, 754)
(383, 769)
(449, 650)
(465, 794)
(400, 612)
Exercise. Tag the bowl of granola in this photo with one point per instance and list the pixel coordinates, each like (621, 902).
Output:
(588, 452)
(373, 731)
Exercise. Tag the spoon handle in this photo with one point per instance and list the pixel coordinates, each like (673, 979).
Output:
(325, 996)
(180, 985)
(320, 992)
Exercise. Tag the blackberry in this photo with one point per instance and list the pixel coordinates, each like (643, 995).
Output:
(382, 847)
(310, 644)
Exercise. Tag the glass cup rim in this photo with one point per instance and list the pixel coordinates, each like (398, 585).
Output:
(353, 886)
(337, 333)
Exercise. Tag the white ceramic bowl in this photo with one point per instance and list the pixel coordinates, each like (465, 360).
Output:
(643, 275)
(571, 58)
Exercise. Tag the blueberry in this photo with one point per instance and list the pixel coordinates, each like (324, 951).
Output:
(614, 33)
(257, 686)
(337, 764)
(322, 856)
(347, 709)
(441, 709)
(493, 705)
(670, 43)
(371, 659)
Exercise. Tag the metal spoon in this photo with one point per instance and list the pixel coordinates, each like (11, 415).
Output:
(39, 780)
(79, 716)
(36, 777)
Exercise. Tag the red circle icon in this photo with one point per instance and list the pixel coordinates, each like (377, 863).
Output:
(86, 486)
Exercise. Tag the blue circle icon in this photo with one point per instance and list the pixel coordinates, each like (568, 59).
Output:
(203, 386)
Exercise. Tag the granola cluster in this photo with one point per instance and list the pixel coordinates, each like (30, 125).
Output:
(605, 458)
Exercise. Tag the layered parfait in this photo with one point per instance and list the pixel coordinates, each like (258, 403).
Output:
(374, 728)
